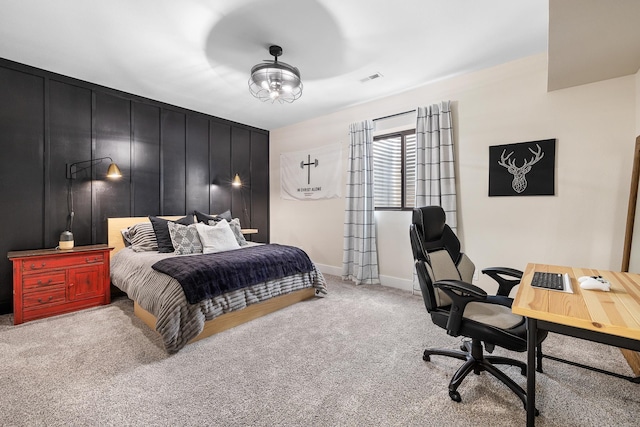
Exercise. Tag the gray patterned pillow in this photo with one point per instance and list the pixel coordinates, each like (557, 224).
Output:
(237, 231)
(142, 237)
(184, 238)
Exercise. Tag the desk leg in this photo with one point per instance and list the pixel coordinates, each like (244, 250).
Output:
(532, 332)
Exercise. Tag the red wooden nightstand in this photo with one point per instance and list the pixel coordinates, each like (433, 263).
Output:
(47, 282)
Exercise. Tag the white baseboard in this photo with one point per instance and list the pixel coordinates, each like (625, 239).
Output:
(396, 282)
(329, 269)
(390, 281)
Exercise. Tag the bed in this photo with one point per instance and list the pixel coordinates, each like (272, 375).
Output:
(161, 303)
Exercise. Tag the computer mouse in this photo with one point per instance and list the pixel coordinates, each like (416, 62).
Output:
(595, 284)
(583, 278)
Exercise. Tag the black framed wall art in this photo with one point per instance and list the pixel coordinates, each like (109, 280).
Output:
(522, 169)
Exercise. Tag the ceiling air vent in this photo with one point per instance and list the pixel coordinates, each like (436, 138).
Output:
(371, 77)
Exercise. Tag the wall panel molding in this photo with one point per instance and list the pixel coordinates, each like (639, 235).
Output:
(174, 160)
(22, 179)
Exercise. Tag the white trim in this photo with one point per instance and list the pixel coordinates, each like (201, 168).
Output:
(329, 269)
(396, 282)
(390, 281)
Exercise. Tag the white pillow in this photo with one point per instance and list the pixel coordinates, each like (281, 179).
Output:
(234, 224)
(216, 238)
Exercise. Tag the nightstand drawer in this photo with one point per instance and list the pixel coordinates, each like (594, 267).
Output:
(55, 295)
(40, 264)
(35, 283)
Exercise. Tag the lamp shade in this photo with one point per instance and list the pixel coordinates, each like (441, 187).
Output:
(275, 81)
(113, 171)
(236, 181)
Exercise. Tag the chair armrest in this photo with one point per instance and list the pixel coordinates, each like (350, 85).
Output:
(463, 287)
(504, 283)
(461, 293)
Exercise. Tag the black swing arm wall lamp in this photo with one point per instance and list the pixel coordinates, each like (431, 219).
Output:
(73, 169)
(66, 238)
(237, 183)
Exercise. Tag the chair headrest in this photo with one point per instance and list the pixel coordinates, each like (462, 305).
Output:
(433, 232)
(430, 220)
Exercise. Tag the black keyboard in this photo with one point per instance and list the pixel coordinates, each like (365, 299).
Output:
(553, 281)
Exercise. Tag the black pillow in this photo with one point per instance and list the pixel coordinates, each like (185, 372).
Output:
(161, 229)
(225, 215)
(203, 217)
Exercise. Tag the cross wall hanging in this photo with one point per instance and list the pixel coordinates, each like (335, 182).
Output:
(312, 174)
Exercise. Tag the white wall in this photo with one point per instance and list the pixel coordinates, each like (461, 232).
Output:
(582, 225)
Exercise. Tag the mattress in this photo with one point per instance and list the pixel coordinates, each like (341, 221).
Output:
(178, 321)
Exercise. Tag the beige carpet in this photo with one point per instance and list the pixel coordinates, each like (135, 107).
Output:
(352, 358)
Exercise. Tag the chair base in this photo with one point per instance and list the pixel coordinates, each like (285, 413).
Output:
(476, 361)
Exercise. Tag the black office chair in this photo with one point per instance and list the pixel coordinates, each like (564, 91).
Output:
(464, 309)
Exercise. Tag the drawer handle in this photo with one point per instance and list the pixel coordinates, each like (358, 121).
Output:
(34, 267)
(49, 299)
(92, 260)
(48, 282)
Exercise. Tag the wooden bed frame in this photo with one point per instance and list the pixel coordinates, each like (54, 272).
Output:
(222, 322)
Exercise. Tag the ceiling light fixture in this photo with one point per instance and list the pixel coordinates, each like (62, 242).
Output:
(275, 81)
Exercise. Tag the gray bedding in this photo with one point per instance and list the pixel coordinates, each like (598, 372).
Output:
(177, 320)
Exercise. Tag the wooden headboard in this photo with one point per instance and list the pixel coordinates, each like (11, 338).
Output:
(115, 225)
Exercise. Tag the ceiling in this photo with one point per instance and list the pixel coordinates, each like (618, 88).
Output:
(197, 54)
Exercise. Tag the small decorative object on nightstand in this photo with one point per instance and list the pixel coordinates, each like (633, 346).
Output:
(47, 282)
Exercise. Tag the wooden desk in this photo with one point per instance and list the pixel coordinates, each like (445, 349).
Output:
(611, 318)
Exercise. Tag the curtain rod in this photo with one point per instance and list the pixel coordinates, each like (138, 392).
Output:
(394, 115)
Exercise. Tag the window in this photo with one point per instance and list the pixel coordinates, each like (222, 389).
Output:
(394, 170)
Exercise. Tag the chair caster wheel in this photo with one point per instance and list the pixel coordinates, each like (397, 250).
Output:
(455, 396)
(426, 357)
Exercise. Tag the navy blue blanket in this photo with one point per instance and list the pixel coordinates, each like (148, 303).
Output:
(206, 276)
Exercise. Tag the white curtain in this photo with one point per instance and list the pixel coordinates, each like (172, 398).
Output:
(435, 168)
(360, 256)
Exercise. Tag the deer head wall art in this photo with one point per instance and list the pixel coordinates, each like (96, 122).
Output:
(522, 169)
(519, 173)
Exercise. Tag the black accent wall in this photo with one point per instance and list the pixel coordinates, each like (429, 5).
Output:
(173, 161)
